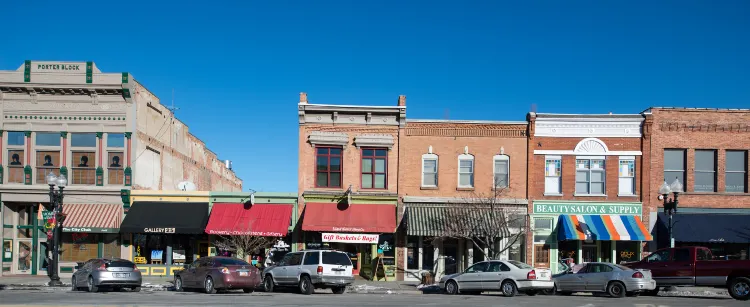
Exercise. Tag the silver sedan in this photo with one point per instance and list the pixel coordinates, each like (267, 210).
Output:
(114, 274)
(508, 277)
(613, 279)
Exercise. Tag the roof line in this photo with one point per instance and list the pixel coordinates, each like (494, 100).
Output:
(351, 106)
(466, 121)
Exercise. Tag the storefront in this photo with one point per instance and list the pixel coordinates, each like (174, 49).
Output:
(724, 231)
(364, 231)
(586, 232)
(166, 235)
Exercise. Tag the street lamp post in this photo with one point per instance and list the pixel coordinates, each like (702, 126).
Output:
(56, 206)
(670, 204)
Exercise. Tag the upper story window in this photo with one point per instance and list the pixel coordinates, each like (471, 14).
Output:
(16, 156)
(736, 171)
(627, 176)
(466, 170)
(83, 148)
(674, 165)
(590, 176)
(47, 154)
(705, 171)
(115, 158)
(430, 169)
(374, 168)
(501, 171)
(552, 168)
(328, 167)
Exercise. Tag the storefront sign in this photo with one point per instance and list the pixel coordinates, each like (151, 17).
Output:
(90, 229)
(159, 230)
(347, 229)
(245, 233)
(587, 208)
(350, 238)
(58, 67)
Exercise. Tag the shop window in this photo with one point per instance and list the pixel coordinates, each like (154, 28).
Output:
(110, 246)
(412, 252)
(429, 170)
(606, 251)
(501, 171)
(590, 176)
(374, 168)
(115, 170)
(428, 256)
(79, 246)
(386, 247)
(46, 162)
(627, 177)
(542, 223)
(705, 171)
(674, 165)
(628, 251)
(465, 171)
(736, 171)
(327, 167)
(567, 250)
(84, 167)
(552, 183)
(152, 247)
(517, 249)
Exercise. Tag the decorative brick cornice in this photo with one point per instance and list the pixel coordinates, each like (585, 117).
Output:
(484, 131)
(701, 127)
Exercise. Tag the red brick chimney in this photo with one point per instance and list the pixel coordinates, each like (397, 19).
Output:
(401, 100)
(302, 97)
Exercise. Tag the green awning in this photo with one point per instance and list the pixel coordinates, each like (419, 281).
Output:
(459, 220)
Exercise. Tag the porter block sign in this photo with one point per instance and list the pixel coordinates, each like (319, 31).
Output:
(350, 238)
(587, 208)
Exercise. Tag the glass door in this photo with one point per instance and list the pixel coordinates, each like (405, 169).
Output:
(589, 253)
(23, 260)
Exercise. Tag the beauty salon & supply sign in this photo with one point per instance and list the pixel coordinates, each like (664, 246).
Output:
(350, 238)
(588, 208)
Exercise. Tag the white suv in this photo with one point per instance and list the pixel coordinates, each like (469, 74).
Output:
(309, 270)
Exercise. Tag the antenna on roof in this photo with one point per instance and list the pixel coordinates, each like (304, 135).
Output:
(173, 108)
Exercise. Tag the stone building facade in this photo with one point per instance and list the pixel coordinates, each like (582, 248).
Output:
(99, 131)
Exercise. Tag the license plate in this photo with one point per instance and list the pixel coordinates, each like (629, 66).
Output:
(243, 273)
(122, 275)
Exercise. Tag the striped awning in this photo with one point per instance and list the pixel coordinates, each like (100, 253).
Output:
(92, 218)
(602, 228)
(457, 221)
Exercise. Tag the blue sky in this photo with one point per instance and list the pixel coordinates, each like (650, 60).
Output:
(237, 67)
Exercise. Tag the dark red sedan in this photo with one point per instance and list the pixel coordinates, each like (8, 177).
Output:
(217, 273)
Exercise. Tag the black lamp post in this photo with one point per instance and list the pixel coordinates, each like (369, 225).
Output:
(670, 204)
(56, 206)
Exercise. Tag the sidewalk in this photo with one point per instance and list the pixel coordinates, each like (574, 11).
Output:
(29, 282)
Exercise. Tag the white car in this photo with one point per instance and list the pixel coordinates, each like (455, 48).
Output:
(309, 270)
(508, 277)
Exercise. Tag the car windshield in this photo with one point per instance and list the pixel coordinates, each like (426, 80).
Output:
(230, 261)
(520, 265)
(336, 258)
(622, 267)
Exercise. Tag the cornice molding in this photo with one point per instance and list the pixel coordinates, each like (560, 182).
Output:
(374, 140)
(588, 128)
(328, 138)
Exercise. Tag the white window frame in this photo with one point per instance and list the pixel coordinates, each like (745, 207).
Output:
(547, 160)
(495, 159)
(620, 177)
(543, 231)
(431, 157)
(465, 157)
(591, 170)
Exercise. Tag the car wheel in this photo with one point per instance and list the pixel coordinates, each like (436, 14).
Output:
(550, 291)
(339, 290)
(616, 289)
(268, 284)
(135, 289)
(531, 292)
(739, 288)
(451, 287)
(248, 290)
(73, 284)
(509, 288)
(208, 285)
(91, 286)
(305, 285)
(632, 294)
(178, 284)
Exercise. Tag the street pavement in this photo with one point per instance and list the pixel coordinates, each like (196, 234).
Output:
(52, 297)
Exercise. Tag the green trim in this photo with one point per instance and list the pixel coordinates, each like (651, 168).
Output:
(34, 240)
(99, 247)
(64, 134)
(28, 178)
(125, 195)
(67, 269)
(27, 133)
(7, 226)
(91, 229)
(64, 171)
(128, 134)
(126, 93)
(125, 78)
(1, 174)
(27, 71)
(99, 135)
(128, 176)
(99, 176)
(89, 72)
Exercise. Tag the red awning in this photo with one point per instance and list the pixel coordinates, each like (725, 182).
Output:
(269, 220)
(353, 218)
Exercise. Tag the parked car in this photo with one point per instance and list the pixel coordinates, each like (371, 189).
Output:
(115, 274)
(508, 277)
(309, 270)
(212, 274)
(695, 266)
(613, 279)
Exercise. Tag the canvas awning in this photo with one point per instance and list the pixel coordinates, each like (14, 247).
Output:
(92, 218)
(602, 228)
(457, 220)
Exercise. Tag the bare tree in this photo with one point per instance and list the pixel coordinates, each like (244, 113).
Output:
(488, 221)
(244, 243)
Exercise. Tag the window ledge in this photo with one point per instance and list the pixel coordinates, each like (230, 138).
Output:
(589, 195)
(464, 189)
(428, 188)
(499, 189)
(553, 194)
(627, 195)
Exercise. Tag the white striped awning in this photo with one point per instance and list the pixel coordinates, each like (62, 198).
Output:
(92, 218)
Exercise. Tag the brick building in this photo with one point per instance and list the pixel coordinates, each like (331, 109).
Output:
(585, 188)
(447, 165)
(706, 150)
(105, 133)
(348, 180)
